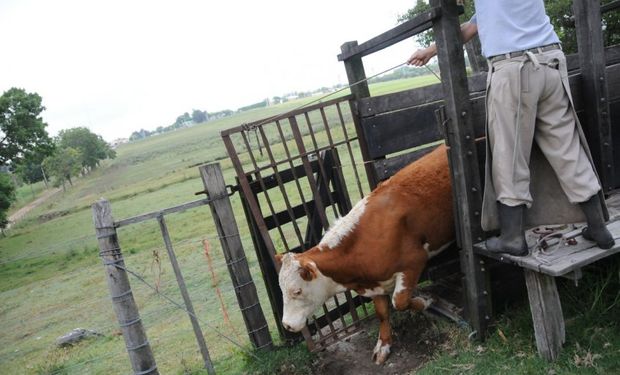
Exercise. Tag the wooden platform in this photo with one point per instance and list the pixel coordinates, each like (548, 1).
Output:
(556, 251)
(564, 250)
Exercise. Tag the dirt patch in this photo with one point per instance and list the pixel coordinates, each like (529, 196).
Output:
(415, 339)
(19, 214)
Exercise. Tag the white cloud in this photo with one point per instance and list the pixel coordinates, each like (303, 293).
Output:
(117, 66)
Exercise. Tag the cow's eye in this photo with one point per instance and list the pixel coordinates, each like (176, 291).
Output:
(297, 292)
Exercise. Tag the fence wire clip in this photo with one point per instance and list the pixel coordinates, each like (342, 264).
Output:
(129, 323)
(124, 294)
(145, 372)
(134, 348)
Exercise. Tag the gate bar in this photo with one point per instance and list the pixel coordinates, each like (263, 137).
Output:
(188, 302)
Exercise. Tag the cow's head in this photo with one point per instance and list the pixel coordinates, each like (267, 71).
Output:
(304, 289)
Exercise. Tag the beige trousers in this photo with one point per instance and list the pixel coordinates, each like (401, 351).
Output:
(527, 102)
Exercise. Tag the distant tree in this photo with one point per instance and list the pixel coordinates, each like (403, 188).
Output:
(64, 164)
(199, 116)
(91, 146)
(30, 168)
(7, 196)
(22, 130)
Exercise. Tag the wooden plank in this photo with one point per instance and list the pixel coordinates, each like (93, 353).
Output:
(401, 130)
(610, 6)
(418, 24)
(463, 162)
(612, 56)
(238, 269)
(386, 168)
(125, 308)
(202, 345)
(564, 260)
(547, 314)
(286, 176)
(595, 93)
(284, 217)
(410, 98)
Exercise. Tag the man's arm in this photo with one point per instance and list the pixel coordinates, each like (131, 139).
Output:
(422, 56)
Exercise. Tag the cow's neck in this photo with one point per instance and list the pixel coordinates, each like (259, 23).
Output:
(335, 264)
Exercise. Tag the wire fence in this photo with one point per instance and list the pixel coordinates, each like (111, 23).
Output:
(33, 316)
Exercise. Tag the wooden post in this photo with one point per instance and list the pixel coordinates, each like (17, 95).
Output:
(188, 302)
(477, 62)
(463, 162)
(247, 296)
(355, 73)
(546, 314)
(138, 347)
(595, 94)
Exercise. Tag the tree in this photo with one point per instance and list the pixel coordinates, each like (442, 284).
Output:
(426, 38)
(7, 196)
(199, 116)
(560, 13)
(22, 130)
(91, 146)
(64, 164)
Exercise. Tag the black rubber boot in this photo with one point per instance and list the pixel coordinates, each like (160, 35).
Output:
(512, 238)
(596, 230)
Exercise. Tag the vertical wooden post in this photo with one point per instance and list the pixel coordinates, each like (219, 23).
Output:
(247, 296)
(138, 347)
(463, 161)
(546, 314)
(595, 94)
(188, 302)
(477, 62)
(355, 73)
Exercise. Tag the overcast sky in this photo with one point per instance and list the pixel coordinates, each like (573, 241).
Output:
(118, 66)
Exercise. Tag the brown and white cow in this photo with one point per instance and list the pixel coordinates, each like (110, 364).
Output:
(378, 249)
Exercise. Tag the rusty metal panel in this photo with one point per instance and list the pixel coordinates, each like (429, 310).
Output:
(297, 172)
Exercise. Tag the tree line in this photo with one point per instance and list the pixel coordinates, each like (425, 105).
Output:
(182, 121)
(28, 154)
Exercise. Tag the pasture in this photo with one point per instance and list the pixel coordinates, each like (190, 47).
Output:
(51, 279)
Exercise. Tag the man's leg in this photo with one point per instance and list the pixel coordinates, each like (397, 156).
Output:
(557, 136)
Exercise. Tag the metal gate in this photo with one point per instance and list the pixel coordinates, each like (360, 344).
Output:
(298, 172)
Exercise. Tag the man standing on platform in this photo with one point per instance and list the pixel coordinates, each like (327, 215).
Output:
(528, 101)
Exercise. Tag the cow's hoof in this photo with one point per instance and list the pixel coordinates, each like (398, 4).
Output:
(381, 352)
(420, 304)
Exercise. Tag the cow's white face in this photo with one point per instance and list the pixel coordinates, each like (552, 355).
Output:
(304, 290)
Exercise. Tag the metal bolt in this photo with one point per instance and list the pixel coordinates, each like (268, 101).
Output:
(479, 238)
(482, 262)
(602, 99)
(605, 144)
(487, 317)
(369, 109)
(484, 292)
(474, 189)
(601, 78)
(467, 137)
(482, 269)
(476, 213)
(464, 113)
(608, 165)
(469, 153)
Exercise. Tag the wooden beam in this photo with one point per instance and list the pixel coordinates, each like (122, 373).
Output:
(418, 24)
(463, 162)
(595, 93)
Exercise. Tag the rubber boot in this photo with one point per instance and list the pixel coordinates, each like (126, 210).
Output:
(596, 231)
(512, 238)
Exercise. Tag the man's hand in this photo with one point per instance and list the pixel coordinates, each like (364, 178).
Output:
(422, 56)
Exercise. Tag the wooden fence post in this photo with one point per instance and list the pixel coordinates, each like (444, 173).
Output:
(595, 94)
(247, 296)
(463, 162)
(138, 347)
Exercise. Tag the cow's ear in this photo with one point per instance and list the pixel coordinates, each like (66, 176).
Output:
(307, 271)
(279, 260)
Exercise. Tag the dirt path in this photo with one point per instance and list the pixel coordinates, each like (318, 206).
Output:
(19, 214)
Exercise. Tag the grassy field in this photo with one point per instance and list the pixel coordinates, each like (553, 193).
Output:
(52, 281)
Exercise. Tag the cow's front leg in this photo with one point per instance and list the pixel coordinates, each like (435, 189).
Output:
(403, 291)
(382, 349)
